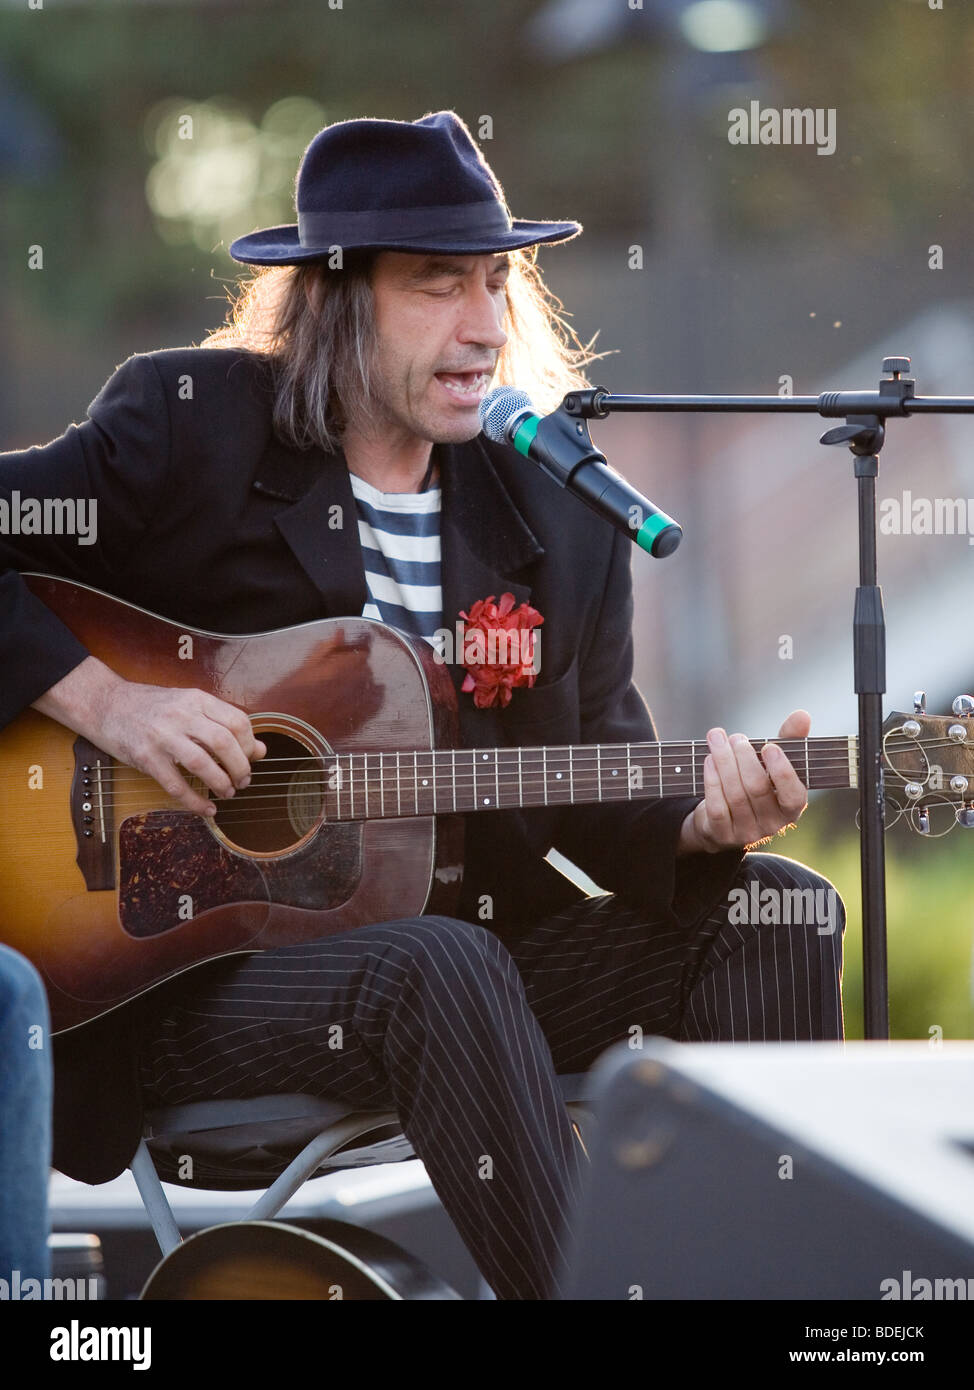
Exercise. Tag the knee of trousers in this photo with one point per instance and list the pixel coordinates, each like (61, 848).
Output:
(22, 997)
(462, 944)
(781, 890)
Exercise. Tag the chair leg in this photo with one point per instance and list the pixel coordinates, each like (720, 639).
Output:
(154, 1199)
(301, 1168)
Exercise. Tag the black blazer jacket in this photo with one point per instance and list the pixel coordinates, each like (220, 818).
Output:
(205, 517)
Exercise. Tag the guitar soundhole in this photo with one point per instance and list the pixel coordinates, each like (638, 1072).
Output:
(284, 801)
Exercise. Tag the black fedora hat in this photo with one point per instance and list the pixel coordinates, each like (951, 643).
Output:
(419, 186)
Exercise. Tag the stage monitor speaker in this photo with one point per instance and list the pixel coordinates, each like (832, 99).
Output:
(778, 1171)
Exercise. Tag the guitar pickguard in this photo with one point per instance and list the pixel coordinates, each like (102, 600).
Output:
(173, 869)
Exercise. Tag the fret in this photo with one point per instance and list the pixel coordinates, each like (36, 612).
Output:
(398, 785)
(415, 780)
(497, 777)
(558, 784)
(629, 768)
(693, 755)
(598, 768)
(807, 781)
(659, 756)
(453, 753)
(429, 784)
(382, 789)
(544, 772)
(365, 772)
(680, 776)
(485, 800)
(612, 793)
(520, 782)
(571, 775)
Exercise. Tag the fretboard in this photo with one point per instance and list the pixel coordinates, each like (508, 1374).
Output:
(369, 786)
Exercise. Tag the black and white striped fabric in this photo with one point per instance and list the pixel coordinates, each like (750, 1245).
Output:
(400, 537)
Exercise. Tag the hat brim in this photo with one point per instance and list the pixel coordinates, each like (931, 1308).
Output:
(280, 245)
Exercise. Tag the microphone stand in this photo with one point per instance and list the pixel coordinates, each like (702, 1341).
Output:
(864, 432)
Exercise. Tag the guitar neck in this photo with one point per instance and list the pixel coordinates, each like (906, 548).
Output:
(366, 786)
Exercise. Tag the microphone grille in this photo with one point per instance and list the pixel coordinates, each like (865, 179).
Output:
(500, 408)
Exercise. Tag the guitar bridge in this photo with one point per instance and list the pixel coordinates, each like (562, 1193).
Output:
(91, 815)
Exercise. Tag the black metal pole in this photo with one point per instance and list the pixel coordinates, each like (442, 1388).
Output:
(869, 644)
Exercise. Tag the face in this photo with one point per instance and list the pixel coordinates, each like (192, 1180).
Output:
(438, 321)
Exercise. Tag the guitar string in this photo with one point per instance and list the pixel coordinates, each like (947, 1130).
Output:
(392, 781)
(231, 811)
(530, 767)
(819, 757)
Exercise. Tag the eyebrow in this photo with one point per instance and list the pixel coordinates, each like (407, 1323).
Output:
(437, 267)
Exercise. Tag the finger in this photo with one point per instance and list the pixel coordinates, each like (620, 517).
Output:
(165, 772)
(197, 760)
(758, 786)
(718, 823)
(790, 791)
(221, 744)
(742, 814)
(239, 725)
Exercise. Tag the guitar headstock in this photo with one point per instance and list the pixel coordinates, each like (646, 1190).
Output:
(930, 760)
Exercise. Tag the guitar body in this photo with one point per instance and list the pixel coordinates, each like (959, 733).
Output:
(109, 888)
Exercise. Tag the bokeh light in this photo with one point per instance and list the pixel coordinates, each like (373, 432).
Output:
(219, 175)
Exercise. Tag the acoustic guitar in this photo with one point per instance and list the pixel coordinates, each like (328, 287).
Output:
(355, 815)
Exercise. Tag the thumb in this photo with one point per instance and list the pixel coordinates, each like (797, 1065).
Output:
(796, 725)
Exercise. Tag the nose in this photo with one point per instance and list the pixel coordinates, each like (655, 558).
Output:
(484, 311)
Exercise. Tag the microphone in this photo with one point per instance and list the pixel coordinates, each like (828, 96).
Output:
(561, 444)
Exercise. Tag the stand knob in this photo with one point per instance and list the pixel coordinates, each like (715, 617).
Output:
(896, 365)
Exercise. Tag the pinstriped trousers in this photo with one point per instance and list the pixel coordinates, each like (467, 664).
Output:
(465, 1036)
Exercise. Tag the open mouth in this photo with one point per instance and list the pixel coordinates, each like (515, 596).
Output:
(467, 387)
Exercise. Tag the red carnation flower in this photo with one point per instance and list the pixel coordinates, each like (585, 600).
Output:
(498, 649)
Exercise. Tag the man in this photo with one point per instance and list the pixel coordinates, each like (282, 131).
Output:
(346, 389)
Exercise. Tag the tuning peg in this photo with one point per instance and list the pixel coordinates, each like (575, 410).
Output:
(919, 702)
(923, 820)
(965, 817)
(963, 706)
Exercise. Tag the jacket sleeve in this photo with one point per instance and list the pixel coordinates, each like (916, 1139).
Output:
(629, 847)
(116, 463)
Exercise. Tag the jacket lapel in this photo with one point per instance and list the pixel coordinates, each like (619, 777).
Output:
(320, 524)
(486, 546)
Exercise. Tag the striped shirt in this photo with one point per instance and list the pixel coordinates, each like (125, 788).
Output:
(400, 537)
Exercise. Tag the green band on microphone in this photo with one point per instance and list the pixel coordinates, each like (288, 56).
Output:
(650, 529)
(524, 435)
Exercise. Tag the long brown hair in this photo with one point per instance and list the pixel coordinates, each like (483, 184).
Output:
(316, 325)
